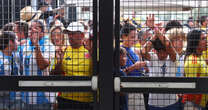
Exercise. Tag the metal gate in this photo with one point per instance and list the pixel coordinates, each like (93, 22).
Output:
(106, 83)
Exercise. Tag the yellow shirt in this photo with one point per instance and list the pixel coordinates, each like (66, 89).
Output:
(196, 67)
(205, 54)
(137, 45)
(203, 28)
(77, 62)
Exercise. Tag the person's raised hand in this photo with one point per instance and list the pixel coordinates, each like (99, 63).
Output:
(150, 21)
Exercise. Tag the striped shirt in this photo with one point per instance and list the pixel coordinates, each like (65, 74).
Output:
(8, 67)
(30, 67)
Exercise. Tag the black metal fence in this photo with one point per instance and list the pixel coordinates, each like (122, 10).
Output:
(53, 62)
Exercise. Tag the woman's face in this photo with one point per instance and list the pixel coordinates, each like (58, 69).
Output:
(203, 42)
(178, 44)
(57, 37)
(130, 39)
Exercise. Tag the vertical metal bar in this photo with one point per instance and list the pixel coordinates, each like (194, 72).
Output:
(95, 21)
(13, 10)
(117, 47)
(106, 54)
(117, 36)
(34, 4)
(199, 9)
(2, 13)
(94, 54)
(8, 12)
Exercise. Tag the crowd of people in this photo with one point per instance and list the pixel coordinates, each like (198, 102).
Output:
(169, 50)
(43, 43)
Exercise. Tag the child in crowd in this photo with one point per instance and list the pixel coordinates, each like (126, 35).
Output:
(123, 97)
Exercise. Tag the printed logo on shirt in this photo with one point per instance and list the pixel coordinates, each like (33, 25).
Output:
(67, 58)
(87, 55)
(194, 59)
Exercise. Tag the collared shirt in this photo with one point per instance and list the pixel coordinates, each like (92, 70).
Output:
(30, 67)
(77, 62)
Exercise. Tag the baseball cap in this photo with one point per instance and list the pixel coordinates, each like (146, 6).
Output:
(74, 27)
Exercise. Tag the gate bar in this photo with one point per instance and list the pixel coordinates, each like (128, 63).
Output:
(48, 83)
(161, 84)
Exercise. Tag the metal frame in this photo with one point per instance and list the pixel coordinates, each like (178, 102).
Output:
(44, 83)
(117, 46)
(94, 54)
(108, 99)
(106, 54)
(164, 85)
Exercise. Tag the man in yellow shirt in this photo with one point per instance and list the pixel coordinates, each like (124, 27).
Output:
(76, 61)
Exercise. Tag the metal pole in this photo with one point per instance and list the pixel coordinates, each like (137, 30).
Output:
(106, 54)
(117, 48)
(13, 11)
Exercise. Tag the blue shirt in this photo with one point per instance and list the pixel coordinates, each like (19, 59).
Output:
(8, 66)
(30, 67)
(129, 62)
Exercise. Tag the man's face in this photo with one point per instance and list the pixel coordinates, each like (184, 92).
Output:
(13, 45)
(35, 30)
(20, 35)
(76, 39)
(191, 24)
(162, 54)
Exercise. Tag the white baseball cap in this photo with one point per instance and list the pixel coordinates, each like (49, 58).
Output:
(75, 27)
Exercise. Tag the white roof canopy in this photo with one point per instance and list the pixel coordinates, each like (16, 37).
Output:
(162, 5)
(150, 5)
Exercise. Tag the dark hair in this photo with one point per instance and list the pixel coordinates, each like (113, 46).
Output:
(193, 39)
(22, 27)
(42, 4)
(158, 45)
(173, 24)
(8, 27)
(5, 37)
(202, 19)
(122, 51)
(127, 28)
(41, 24)
(140, 34)
(190, 19)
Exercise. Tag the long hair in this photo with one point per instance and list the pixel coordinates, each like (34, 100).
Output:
(193, 39)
